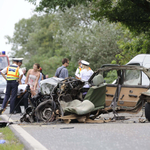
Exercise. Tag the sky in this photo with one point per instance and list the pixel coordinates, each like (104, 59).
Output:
(11, 11)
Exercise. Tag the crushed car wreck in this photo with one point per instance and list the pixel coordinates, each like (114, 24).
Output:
(113, 88)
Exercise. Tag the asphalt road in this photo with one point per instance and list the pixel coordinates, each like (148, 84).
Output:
(119, 135)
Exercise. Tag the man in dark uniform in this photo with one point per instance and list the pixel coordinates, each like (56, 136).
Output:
(14, 75)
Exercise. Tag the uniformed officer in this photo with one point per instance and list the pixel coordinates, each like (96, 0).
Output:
(14, 75)
(86, 72)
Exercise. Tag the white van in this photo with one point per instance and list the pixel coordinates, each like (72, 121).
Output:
(142, 60)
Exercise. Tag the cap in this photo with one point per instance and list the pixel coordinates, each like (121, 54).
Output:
(40, 69)
(18, 59)
(3, 52)
(85, 63)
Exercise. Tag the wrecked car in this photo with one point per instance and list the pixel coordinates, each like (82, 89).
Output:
(113, 88)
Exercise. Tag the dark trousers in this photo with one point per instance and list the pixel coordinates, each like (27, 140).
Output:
(11, 89)
(22, 101)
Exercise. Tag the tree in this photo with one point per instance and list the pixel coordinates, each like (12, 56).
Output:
(49, 5)
(87, 39)
(33, 39)
(131, 13)
(71, 34)
(131, 46)
(134, 14)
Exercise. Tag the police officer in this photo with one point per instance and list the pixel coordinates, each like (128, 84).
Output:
(86, 72)
(14, 75)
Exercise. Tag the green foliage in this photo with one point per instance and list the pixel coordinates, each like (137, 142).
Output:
(87, 39)
(110, 76)
(134, 14)
(70, 34)
(131, 14)
(39, 46)
(131, 46)
(48, 5)
(96, 44)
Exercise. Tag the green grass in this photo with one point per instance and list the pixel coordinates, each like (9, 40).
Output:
(12, 143)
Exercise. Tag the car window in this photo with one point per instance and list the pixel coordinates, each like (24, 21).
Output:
(132, 77)
(110, 76)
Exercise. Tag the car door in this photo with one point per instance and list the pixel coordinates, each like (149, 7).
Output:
(131, 88)
(111, 87)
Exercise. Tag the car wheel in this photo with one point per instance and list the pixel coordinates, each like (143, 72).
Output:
(45, 111)
(147, 111)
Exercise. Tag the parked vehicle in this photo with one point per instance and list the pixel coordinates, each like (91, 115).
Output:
(144, 61)
(60, 97)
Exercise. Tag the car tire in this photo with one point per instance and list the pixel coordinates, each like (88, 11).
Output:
(44, 110)
(147, 111)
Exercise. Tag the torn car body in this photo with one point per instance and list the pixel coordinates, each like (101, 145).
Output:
(122, 92)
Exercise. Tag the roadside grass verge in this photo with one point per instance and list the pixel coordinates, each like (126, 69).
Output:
(12, 143)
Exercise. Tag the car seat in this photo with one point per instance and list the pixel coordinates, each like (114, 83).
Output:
(94, 99)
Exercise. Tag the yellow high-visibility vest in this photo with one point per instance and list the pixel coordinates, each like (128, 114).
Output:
(12, 72)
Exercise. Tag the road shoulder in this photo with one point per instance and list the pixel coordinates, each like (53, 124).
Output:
(25, 138)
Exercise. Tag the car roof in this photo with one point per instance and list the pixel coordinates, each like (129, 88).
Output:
(141, 59)
(121, 67)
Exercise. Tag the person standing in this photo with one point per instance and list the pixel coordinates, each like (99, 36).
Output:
(23, 77)
(86, 72)
(32, 78)
(62, 71)
(14, 75)
(78, 70)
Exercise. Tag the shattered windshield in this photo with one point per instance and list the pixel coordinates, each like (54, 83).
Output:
(132, 77)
